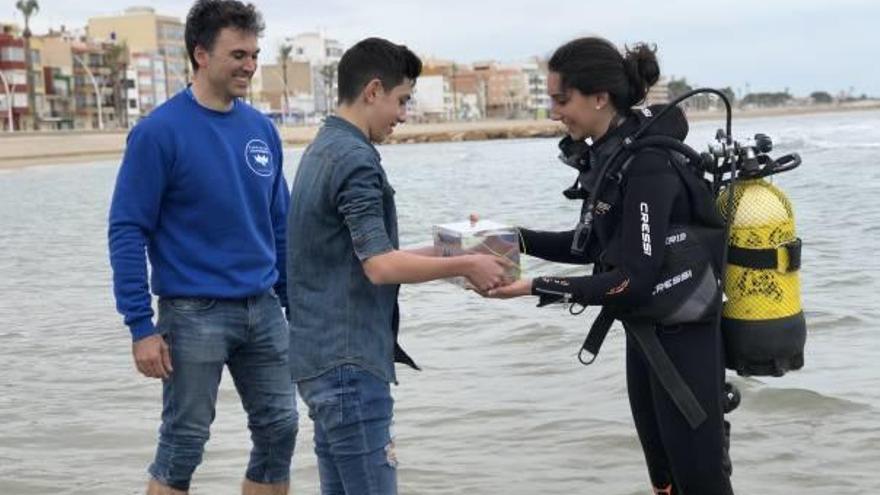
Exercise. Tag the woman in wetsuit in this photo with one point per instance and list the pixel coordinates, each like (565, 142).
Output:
(593, 89)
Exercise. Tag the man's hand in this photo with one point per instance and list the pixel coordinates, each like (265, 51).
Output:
(152, 357)
(522, 287)
(486, 271)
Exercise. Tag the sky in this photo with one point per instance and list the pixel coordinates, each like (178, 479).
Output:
(749, 45)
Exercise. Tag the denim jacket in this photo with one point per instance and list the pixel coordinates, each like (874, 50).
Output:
(342, 213)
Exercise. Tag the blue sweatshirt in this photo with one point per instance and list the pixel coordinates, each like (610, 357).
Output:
(203, 191)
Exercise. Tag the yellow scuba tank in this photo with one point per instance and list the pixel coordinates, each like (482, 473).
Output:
(762, 320)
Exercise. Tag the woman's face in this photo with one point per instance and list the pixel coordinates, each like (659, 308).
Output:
(583, 115)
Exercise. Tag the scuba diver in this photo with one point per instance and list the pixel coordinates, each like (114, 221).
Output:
(656, 243)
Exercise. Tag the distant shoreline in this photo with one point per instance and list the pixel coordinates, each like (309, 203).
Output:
(23, 149)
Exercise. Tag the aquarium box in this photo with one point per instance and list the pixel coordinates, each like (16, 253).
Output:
(483, 236)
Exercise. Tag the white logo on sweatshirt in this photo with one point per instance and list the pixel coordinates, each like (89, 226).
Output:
(258, 156)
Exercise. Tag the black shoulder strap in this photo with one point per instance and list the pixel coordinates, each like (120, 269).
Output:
(700, 194)
(645, 335)
(595, 337)
(664, 369)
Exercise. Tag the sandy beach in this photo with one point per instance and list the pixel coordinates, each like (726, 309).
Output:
(23, 149)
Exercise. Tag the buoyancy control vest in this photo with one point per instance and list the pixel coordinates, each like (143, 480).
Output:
(693, 261)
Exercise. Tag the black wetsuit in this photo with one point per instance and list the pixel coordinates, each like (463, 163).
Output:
(628, 259)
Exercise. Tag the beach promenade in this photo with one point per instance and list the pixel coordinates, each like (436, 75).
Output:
(22, 149)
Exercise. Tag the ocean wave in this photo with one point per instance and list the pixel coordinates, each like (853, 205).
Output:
(793, 403)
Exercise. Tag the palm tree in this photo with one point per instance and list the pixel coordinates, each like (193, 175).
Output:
(29, 8)
(284, 57)
(454, 93)
(116, 58)
(328, 76)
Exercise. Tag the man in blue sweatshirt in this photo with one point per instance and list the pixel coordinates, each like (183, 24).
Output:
(201, 190)
(345, 270)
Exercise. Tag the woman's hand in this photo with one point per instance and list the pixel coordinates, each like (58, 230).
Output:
(522, 287)
(487, 271)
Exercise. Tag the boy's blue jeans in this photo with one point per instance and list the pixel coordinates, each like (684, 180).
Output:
(352, 412)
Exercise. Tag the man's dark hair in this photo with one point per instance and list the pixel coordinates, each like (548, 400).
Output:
(207, 17)
(375, 58)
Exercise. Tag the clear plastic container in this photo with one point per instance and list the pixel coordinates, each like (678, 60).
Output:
(483, 236)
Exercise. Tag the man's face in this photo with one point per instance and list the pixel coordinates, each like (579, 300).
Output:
(389, 109)
(231, 64)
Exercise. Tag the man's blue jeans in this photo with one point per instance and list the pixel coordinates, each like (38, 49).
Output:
(251, 337)
(352, 411)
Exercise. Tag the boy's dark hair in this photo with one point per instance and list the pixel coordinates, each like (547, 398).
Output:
(207, 17)
(375, 58)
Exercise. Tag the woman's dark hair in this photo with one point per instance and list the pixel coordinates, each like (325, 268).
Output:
(375, 58)
(592, 65)
(207, 17)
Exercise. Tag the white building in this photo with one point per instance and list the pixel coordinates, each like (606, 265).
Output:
(323, 54)
(132, 96)
(153, 36)
(315, 47)
(150, 79)
(538, 101)
(433, 98)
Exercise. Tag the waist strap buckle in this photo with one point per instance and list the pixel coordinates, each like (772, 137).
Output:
(792, 250)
